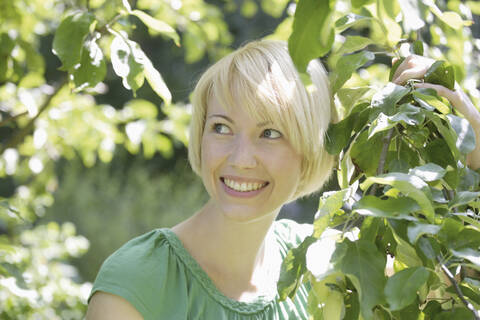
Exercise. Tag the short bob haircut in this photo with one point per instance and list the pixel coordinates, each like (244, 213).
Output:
(262, 78)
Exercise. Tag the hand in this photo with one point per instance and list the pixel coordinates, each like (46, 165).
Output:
(415, 67)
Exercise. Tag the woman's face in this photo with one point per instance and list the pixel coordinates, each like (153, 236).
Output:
(248, 168)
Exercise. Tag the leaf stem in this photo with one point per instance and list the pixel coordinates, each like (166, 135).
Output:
(457, 288)
(383, 158)
(4, 122)
(18, 138)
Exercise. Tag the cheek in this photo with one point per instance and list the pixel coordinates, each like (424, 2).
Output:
(212, 155)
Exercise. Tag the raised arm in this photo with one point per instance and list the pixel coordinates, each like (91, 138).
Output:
(415, 67)
(106, 306)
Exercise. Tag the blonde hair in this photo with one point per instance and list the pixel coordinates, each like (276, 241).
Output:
(262, 78)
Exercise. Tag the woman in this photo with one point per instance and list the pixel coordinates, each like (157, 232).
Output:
(257, 143)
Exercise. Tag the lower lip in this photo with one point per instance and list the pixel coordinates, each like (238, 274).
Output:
(239, 194)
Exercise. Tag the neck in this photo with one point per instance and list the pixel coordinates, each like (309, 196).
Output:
(229, 251)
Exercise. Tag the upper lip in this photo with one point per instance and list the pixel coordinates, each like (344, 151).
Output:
(243, 179)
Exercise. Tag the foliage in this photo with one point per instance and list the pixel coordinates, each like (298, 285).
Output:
(135, 198)
(36, 281)
(407, 206)
(67, 107)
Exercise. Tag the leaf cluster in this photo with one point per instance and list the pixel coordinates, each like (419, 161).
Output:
(407, 209)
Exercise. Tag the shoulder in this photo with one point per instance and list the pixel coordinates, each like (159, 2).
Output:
(138, 254)
(136, 272)
(291, 232)
(108, 306)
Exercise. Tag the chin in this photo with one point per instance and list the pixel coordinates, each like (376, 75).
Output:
(243, 215)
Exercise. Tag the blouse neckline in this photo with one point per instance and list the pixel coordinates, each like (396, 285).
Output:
(256, 305)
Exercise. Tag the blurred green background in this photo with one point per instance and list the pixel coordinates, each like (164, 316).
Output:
(84, 167)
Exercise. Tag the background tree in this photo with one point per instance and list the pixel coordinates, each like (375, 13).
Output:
(93, 114)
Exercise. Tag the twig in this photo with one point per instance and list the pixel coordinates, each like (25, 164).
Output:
(457, 288)
(4, 122)
(383, 158)
(18, 138)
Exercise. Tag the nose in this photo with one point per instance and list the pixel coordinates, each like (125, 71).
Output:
(243, 153)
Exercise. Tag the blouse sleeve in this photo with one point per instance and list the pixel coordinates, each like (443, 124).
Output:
(136, 273)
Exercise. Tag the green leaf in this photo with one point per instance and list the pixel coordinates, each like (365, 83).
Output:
(127, 60)
(8, 211)
(360, 3)
(470, 254)
(441, 73)
(380, 124)
(345, 67)
(292, 270)
(438, 152)
(401, 288)
(328, 294)
(249, 8)
(428, 172)
(69, 38)
(468, 290)
(465, 135)
(156, 81)
(448, 134)
(352, 306)
(474, 6)
(395, 208)
(450, 18)
(386, 99)
(428, 98)
(329, 204)
(338, 135)
(429, 248)
(350, 96)
(350, 20)
(275, 8)
(458, 313)
(418, 229)
(407, 114)
(404, 252)
(353, 43)
(92, 68)
(142, 109)
(364, 265)
(157, 25)
(367, 161)
(312, 34)
(463, 197)
(410, 186)
(418, 47)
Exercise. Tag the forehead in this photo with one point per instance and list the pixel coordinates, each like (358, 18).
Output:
(236, 115)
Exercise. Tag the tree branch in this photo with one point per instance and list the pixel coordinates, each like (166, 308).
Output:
(457, 288)
(4, 122)
(18, 138)
(383, 158)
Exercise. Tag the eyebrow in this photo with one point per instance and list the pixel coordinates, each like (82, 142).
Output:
(261, 124)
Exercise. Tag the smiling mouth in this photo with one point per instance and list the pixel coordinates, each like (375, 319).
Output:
(243, 186)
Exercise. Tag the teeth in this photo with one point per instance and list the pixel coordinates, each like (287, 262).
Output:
(243, 187)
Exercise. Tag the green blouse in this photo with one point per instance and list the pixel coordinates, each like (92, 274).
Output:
(156, 274)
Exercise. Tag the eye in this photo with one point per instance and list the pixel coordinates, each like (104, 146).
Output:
(220, 128)
(271, 134)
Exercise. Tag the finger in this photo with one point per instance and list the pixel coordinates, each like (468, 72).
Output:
(412, 73)
(406, 64)
(441, 90)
